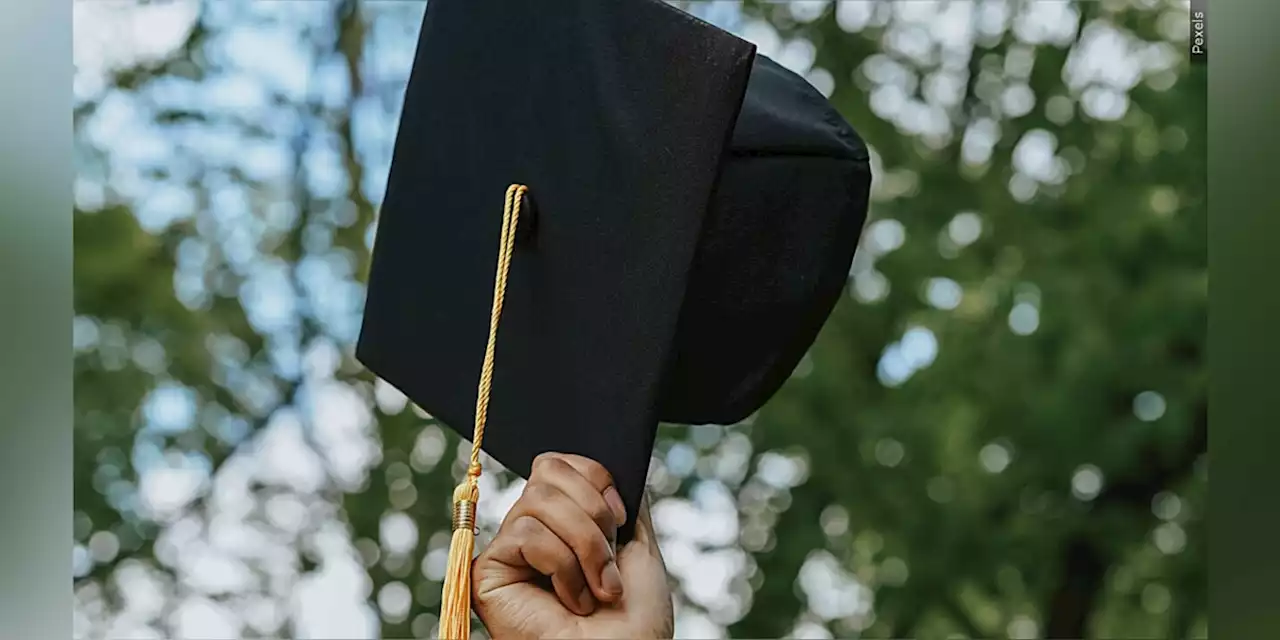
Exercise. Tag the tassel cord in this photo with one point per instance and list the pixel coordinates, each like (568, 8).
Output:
(455, 600)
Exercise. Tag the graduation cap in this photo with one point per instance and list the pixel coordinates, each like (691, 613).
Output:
(611, 214)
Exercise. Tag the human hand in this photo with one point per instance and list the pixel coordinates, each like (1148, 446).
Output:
(564, 526)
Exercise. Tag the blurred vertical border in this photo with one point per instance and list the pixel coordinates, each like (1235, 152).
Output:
(35, 320)
(1245, 313)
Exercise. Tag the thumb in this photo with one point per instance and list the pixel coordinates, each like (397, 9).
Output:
(645, 533)
(647, 590)
(641, 559)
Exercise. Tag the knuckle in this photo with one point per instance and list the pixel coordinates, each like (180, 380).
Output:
(594, 471)
(591, 548)
(601, 514)
(598, 473)
(552, 556)
(538, 493)
(544, 460)
(565, 562)
(525, 528)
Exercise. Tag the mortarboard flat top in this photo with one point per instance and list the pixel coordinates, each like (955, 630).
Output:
(690, 237)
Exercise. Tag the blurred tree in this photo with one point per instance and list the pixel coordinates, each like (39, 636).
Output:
(1001, 431)
(1047, 244)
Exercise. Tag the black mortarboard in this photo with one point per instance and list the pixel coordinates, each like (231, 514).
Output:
(692, 213)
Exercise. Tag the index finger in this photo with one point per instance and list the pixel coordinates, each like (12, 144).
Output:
(599, 477)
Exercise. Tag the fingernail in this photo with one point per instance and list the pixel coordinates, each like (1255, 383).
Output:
(615, 503)
(611, 580)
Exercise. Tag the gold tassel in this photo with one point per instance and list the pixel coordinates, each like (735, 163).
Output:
(455, 602)
(455, 599)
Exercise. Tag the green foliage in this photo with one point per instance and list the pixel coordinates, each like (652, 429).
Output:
(1040, 471)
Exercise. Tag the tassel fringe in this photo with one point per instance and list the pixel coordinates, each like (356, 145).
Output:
(455, 600)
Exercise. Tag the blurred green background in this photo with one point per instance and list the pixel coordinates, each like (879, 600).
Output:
(1001, 431)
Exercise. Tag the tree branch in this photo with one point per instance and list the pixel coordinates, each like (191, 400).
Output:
(1083, 565)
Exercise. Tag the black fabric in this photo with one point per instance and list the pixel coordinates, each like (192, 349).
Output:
(775, 252)
(692, 233)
